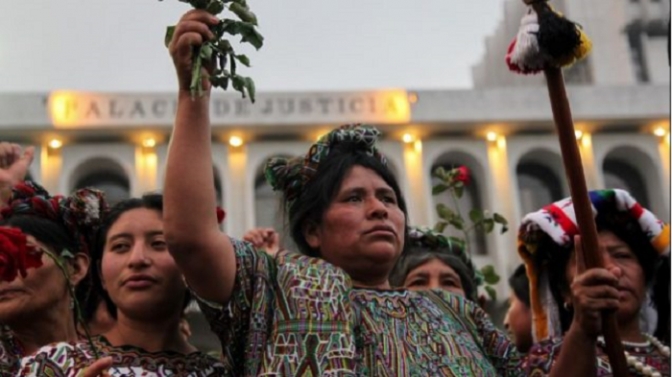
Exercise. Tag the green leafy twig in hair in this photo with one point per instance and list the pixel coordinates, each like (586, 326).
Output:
(219, 51)
(454, 181)
(61, 263)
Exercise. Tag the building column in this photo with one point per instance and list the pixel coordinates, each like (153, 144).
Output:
(238, 210)
(146, 168)
(51, 166)
(419, 212)
(501, 201)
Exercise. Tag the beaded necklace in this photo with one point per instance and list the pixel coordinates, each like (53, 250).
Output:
(636, 363)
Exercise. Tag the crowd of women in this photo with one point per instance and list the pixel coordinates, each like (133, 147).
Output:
(361, 292)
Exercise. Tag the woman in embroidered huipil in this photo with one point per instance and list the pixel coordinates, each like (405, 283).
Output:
(329, 309)
(146, 294)
(636, 250)
(38, 309)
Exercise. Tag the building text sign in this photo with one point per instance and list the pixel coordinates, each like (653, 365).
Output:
(94, 110)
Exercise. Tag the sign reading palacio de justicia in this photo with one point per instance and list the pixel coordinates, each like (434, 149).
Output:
(94, 110)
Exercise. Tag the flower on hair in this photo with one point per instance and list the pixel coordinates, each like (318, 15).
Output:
(16, 255)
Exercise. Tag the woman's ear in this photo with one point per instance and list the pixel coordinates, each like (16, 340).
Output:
(79, 268)
(311, 232)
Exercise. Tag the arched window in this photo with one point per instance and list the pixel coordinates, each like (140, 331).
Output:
(218, 186)
(622, 175)
(470, 199)
(538, 186)
(106, 175)
(267, 203)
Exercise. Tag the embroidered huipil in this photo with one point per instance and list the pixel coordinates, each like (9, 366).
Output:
(300, 316)
(69, 360)
(543, 355)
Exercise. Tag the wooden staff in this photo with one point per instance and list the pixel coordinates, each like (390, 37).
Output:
(562, 115)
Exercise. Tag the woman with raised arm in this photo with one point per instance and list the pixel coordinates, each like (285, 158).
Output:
(635, 246)
(329, 309)
(146, 294)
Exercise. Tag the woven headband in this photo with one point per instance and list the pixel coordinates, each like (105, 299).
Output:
(292, 175)
(80, 213)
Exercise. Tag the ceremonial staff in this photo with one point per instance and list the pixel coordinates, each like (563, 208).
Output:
(547, 42)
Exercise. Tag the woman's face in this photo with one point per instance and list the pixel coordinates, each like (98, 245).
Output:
(434, 274)
(42, 289)
(631, 285)
(518, 323)
(362, 230)
(138, 273)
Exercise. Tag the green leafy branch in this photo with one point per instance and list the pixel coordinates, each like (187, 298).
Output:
(219, 51)
(454, 182)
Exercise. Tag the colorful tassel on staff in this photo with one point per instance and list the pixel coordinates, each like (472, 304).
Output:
(546, 39)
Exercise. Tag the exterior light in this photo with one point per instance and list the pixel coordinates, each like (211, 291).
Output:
(55, 144)
(412, 98)
(491, 136)
(235, 141)
(660, 132)
(149, 143)
(578, 134)
(407, 138)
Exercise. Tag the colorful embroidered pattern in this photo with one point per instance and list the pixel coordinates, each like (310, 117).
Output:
(299, 316)
(10, 353)
(542, 356)
(68, 360)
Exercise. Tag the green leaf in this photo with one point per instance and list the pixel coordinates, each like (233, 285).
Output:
(439, 188)
(488, 225)
(476, 215)
(253, 37)
(233, 64)
(238, 83)
(459, 190)
(499, 219)
(444, 212)
(504, 229)
(206, 52)
(440, 172)
(490, 275)
(457, 222)
(251, 90)
(491, 292)
(215, 7)
(243, 13)
(170, 30)
(440, 226)
(244, 60)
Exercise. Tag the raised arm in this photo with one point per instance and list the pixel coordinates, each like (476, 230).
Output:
(205, 254)
(14, 164)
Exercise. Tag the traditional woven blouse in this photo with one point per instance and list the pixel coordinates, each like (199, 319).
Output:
(298, 316)
(69, 359)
